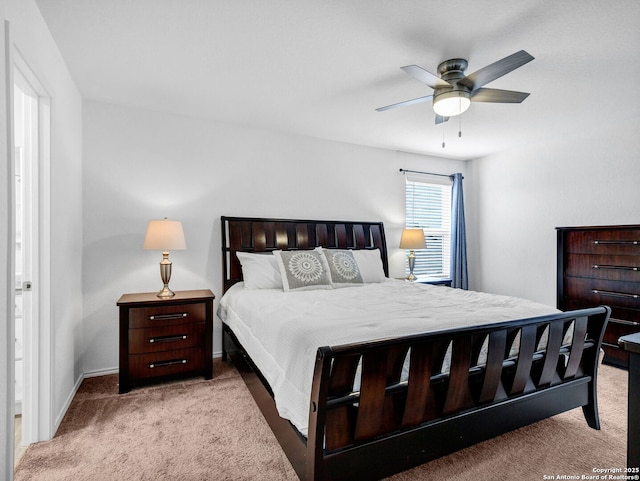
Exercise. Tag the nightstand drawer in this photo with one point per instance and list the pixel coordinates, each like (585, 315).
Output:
(155, 339)
(141, 317)
(166, 363)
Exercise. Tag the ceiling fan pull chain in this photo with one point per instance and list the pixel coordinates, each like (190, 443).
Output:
(443, 135)
(460, 125)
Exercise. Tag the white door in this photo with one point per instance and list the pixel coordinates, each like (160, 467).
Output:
(26, 145)
(31, 114)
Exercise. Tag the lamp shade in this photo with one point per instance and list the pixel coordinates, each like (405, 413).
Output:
(412, 239)
(165, 235)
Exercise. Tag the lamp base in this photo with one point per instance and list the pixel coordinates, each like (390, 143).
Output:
(412, 263)
(165, 274)
(165, 292)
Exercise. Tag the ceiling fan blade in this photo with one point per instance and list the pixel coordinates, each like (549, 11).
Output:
(440, 119)
(406, 102)
(498, 96)
(425, 77)
(496, 70)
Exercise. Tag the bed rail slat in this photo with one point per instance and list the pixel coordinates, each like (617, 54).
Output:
(235, 237)
(322, 235)
(373, 382)
(552, 354)
(420, 405)
(525, 359)
(259, 237)
(358, 235)
(395, 362)
(459, 394)
(341, 236)
(281, 236)
(343, 373)
(493, 369)
(336, 434)
(577, 347)
(302, 236)
(246, 237)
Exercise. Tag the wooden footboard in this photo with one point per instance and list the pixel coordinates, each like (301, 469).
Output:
(390, 423)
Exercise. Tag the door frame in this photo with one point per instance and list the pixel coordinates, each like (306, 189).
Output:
(37, 407)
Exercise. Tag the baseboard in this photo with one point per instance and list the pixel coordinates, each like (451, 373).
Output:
(100, 372)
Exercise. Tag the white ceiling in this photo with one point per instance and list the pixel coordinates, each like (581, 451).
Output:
(321, 67)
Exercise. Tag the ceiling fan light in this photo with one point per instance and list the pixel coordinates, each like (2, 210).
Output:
(450, 104)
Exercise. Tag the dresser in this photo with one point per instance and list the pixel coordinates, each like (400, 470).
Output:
(601, 266)
(165, 338)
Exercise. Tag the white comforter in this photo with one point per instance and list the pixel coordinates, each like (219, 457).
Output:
(282, 331)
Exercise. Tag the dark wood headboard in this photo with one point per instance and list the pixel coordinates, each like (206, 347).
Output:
(247, 234)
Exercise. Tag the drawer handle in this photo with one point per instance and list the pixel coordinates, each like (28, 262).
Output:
(164, 317)
(173, 362)
(616, 243)
(615, 294)
(619, 268)
(182, 337)
(624, 321)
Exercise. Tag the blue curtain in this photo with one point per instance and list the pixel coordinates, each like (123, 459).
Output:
(458, 236)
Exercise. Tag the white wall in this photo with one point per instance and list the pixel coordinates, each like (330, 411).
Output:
(590, 178)
(141, 165)
(32, 39)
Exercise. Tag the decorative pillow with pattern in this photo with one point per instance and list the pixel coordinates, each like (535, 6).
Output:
(303, 270)
(343, 268)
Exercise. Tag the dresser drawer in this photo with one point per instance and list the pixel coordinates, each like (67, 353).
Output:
(616, 329)
(141, 317)
(596, 292)
(600, 266)
(166, 363)
(166, 338)
(610, 242)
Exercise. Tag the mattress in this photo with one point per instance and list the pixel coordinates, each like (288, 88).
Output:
(282, 331)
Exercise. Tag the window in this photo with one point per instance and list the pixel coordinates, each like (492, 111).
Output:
(428, 206)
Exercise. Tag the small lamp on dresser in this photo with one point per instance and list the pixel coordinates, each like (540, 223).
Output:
(412, 239)
(165, 235)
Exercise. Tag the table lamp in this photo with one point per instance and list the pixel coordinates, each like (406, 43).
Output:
(165, 235)
(412, 239)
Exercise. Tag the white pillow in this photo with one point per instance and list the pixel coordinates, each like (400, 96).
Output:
(370, 265)
(260, 271)
(303, 270)
(343, 268)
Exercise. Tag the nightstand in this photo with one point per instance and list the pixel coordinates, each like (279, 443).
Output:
(165, 338)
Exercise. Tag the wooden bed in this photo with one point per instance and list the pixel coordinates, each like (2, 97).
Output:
(391, 425)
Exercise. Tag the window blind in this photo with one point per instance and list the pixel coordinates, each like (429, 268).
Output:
(428, 207)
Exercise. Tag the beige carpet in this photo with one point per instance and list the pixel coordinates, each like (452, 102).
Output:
(212, 430)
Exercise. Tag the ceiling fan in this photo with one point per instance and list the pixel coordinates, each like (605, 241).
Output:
(454, 92)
